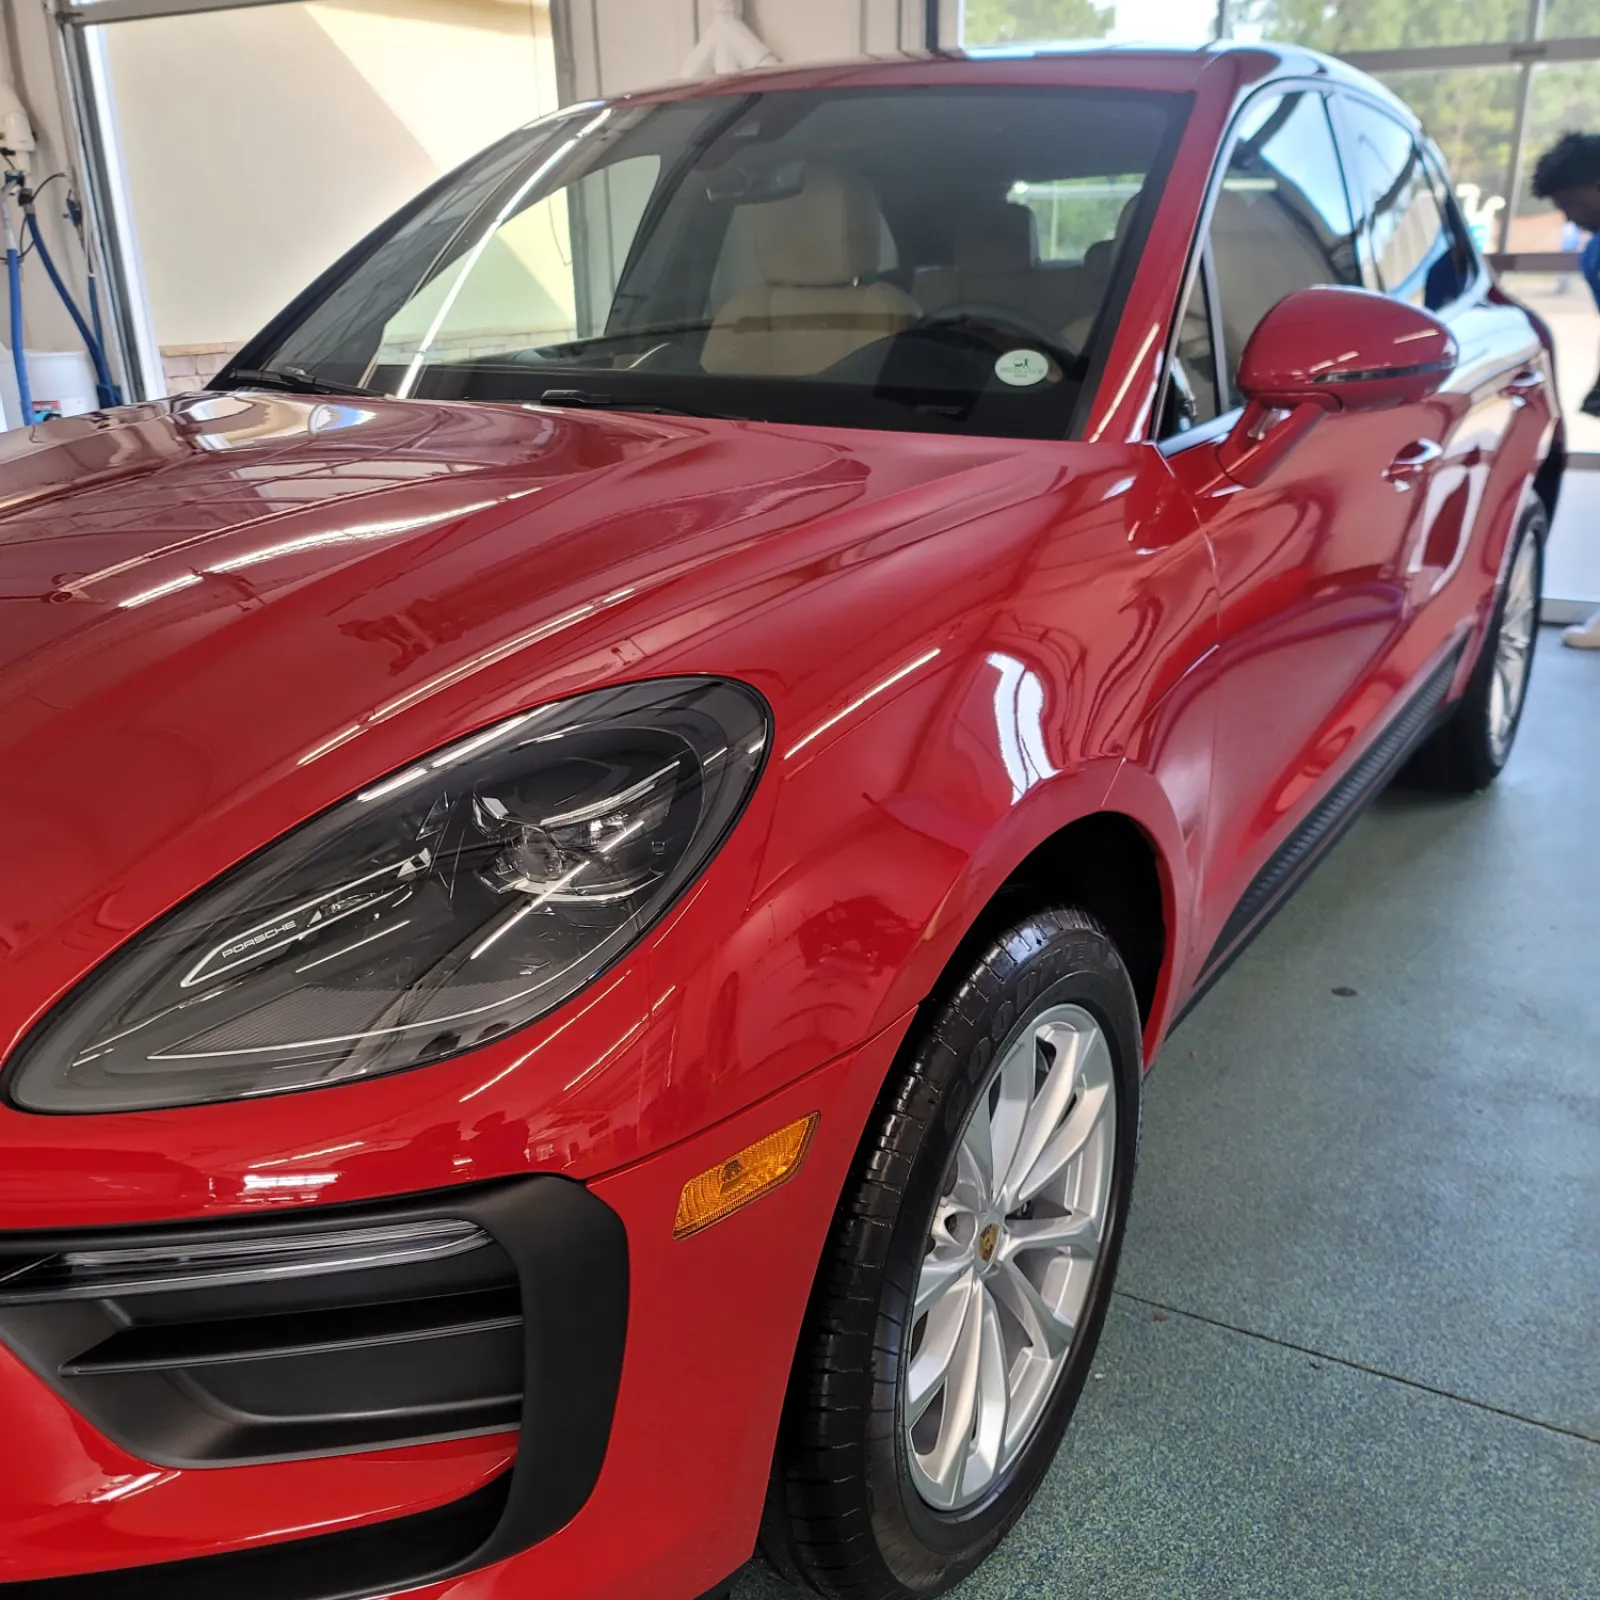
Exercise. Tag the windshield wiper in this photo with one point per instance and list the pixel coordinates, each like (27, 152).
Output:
(589, 400)
(652, 330)
(296, 380)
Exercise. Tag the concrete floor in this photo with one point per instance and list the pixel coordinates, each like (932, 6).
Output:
(1355, 1346)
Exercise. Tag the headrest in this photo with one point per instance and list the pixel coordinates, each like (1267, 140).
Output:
(1130, 209)
(1101, 257)
(829, 233)
(1003, 239)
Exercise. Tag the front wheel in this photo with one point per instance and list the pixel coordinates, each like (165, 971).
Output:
(962, 1292)
(1468, 752)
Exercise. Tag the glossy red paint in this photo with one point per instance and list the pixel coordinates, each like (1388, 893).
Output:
(222, 614)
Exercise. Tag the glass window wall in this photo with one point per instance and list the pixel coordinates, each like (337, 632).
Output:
(1464, 66)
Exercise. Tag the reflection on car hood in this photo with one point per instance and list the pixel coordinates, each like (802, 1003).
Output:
(199, 599)
(130, 538)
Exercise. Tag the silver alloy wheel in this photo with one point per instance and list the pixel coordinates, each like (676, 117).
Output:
(1513, 650)
(1010, 1257)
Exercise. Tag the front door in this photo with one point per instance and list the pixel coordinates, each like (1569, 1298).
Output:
(1312, 562)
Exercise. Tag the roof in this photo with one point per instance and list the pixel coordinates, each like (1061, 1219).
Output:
(1090, 63)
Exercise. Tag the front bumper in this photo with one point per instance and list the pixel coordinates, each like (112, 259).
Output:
(654, 1372)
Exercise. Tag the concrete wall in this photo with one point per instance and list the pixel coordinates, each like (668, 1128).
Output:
(612, 46)
(261, 143)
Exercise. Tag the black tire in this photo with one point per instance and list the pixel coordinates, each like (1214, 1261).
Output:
(1461, 757)
(843, 1514)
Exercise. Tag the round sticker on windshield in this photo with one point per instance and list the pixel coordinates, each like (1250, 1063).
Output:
(1022, 368)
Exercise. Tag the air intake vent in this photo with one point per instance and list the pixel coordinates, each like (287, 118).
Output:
(205, 1264)
(246, 1342)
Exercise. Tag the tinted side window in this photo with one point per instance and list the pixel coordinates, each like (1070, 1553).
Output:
(1282, 220)
(1408, 238)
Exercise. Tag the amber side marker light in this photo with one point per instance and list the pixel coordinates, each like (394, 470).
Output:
(755, 1171)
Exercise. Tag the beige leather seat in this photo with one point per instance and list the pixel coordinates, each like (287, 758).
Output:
(996, 263)
(993, 263)
(811, 309)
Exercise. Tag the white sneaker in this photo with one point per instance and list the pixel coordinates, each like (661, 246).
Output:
(1583, 635)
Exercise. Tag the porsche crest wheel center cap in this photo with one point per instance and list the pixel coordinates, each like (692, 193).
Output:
(987, 1240)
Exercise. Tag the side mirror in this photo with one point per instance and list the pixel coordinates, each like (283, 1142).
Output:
(1345, 350)
(1326, 350)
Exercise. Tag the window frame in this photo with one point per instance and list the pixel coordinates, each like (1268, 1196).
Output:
(1199, 260)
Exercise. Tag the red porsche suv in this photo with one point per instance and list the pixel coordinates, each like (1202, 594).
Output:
(595, 841)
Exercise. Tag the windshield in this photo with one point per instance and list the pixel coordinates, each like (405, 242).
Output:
(932, 258)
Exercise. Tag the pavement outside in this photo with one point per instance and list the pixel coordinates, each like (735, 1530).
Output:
(1355, 1345)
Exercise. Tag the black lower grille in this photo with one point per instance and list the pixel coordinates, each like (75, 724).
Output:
(160, 1347)
(345, 1328)
(372, 1560)
(249, 1342)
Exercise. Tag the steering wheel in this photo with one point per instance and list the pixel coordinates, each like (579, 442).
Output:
(985, 313)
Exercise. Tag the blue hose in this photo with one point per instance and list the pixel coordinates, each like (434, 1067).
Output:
(99, 327)
(18, 354)
(75, 216)
(108, 393)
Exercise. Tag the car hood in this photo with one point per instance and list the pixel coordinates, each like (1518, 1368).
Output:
(219, 614)
(206, 529)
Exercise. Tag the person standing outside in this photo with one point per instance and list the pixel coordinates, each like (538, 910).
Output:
(1568, 176)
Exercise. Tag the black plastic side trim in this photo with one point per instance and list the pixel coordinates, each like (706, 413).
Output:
(571, 1252)
(373, 1560)
(1328, 822)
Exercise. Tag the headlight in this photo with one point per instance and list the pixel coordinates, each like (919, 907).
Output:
(449, 904)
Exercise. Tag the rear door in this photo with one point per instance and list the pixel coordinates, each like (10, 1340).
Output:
(1477, 441)
(1311, 563)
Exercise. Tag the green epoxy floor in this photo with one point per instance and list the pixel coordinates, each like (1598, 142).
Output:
(1355, 1349)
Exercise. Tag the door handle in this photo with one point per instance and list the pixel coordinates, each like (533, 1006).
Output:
(1412, 462)
(1522, 388)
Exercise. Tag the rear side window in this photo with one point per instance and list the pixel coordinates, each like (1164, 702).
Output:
(1410, 243)
(1459, 270)
(1282, 220)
